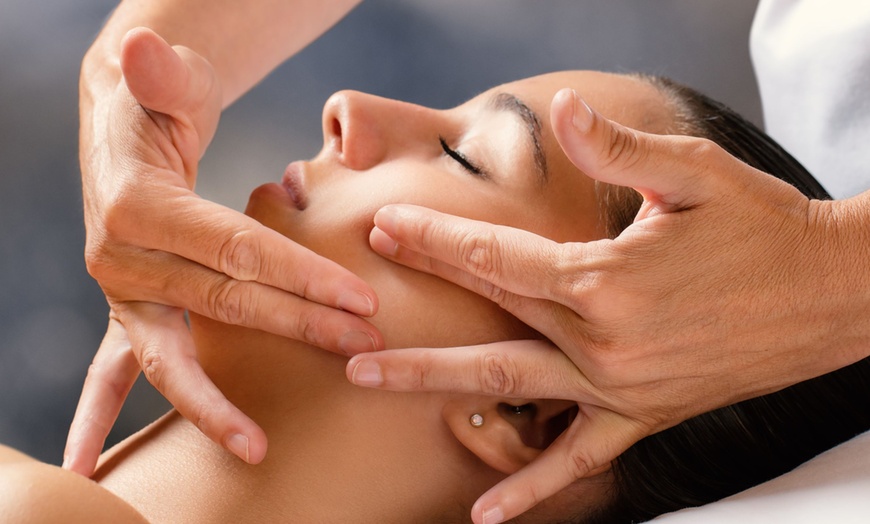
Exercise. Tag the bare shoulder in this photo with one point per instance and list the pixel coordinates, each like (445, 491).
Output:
(32, 492)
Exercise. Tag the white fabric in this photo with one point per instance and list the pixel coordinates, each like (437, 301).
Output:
(812, 61)
(833, 487)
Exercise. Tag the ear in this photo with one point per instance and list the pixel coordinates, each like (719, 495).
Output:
(514, 431)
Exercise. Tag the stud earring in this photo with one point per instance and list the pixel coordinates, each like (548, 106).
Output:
(476, 420)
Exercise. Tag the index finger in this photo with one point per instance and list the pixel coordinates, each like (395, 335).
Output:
(511, 259)
(237, 245)
(520, 369)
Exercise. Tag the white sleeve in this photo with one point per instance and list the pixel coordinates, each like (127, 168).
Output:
(812, 61)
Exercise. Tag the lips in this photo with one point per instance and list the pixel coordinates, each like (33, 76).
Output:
(293, 182)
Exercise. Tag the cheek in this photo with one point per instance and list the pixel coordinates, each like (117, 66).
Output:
(341, 212)
(416, 309)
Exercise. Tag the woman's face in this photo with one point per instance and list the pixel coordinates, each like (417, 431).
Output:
(493, 158)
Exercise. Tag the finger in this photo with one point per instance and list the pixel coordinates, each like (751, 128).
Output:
(154, 73)
(176, 82)
(238, 246)
(595, 438)
(162, 78)
(109, 380)
(521, 369)
(510, 259)
(667, 169)
(165, 350)
(175, 281)
(543, 315)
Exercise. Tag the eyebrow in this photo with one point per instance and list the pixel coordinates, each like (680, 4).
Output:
(532, 123)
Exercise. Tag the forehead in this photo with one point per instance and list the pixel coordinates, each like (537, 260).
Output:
(625, 99)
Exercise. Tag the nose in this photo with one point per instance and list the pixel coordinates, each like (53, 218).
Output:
(364, 129)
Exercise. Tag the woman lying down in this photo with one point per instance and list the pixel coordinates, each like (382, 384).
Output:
(340, 453)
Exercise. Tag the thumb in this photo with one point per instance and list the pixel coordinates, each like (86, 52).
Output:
(174, 81)
(669, 171)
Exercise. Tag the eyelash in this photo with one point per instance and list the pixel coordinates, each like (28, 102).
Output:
(462, 160)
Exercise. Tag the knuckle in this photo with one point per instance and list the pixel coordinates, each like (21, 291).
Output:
(579, 464)
(153, 366)
(99, 375)
(227, 303)
(102, 257)
(418, 376)
(301, 283)
(573, 284)
(117, 209)
(579, 292)
(701, 150)
(202, 417)
(622, 148)
(309, 327)
(122, 214)
(97, 260)
(493, 293)
(702, 153)
(479, 253)
(105, 258)
(497, 374)
(239, 257)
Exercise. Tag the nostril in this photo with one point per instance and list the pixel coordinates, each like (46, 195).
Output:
(336, 133)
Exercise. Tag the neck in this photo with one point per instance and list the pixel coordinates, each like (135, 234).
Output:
(337, 453)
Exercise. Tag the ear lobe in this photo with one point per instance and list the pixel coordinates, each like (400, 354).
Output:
(507, 440)
(496, 442)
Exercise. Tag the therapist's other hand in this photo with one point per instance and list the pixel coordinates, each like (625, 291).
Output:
(722, 289)
(157, 249)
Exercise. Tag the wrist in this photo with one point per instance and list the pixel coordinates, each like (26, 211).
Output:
(842, 248)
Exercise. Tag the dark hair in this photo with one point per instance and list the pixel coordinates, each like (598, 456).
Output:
(733, 448)
(701, 116)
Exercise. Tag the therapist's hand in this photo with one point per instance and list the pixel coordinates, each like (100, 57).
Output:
(728, 285)
(157, 249)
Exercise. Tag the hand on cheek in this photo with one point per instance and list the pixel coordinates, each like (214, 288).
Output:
(158, 249)
(682, 313)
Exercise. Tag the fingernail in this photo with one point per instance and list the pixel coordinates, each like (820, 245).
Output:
(357, 303)
(387, 219)
(583, 115)
(354, 342)
(367, 373)
(493, 516)
(238, 444)
(382, 243)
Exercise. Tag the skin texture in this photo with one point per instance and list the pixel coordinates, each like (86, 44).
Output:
(376, 151)
(145, 225)
(357, 452)
(656, 320)
(33, 493)
(730, 284)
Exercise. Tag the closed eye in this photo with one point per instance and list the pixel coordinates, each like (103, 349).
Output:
(463, 160)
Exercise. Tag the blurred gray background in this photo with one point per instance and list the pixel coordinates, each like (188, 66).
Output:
(436, 53)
